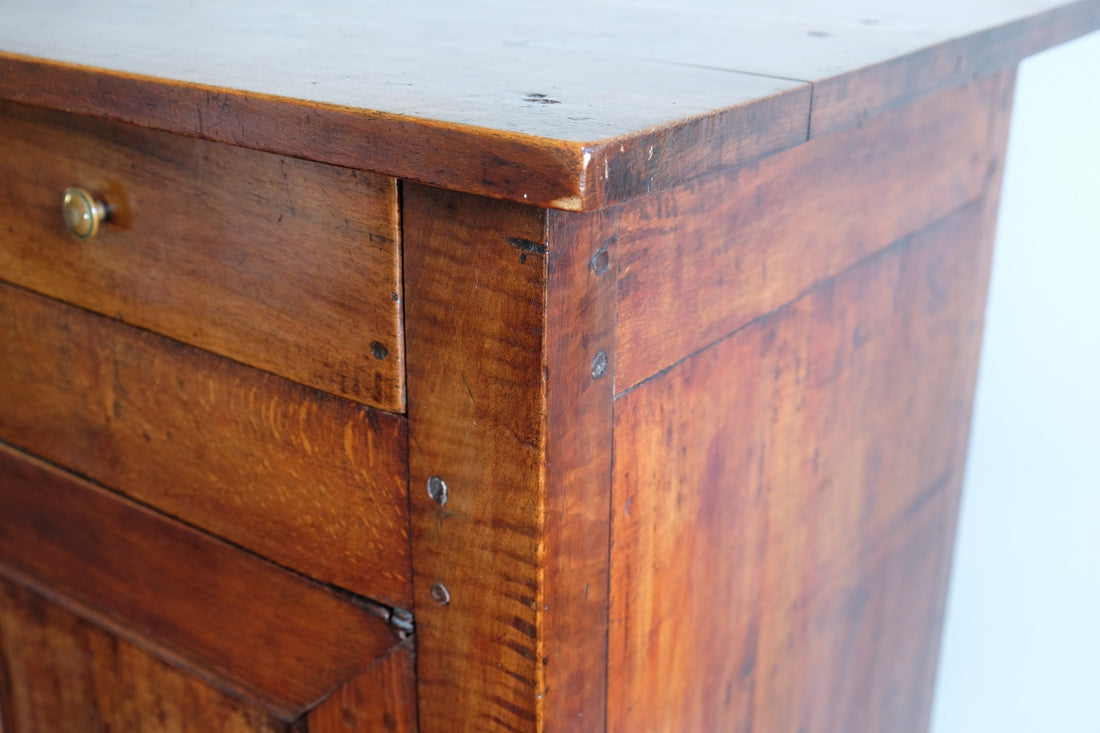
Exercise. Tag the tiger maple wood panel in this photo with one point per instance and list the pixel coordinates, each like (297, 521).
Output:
(506, 319)
(476, 284)
(309, 480)
(787, 570)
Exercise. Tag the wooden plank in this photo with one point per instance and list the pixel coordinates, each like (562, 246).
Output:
(383, 698)
(308, 480)
(529, 103)
(699, 261)
(511, 342)
(283, 264)
(475, 284)
(580, 379)
(62, 673)
(267, 634)
(786, 571)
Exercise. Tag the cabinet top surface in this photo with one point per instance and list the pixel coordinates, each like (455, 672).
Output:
(554, 92)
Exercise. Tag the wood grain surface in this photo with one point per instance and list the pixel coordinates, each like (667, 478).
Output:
(62, 673)
(283, 264)
(380, 700)
(534, 103)
(511, 342)
(242, 623)
(787, 570)
(476, 283)
(309, 480)
(579, 368)
(699, 261)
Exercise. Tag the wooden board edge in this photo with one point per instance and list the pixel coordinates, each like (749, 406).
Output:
(545, 172)
(494, 163)
(576, 494)
(757, 237)
(539, 171)
(475, 287)
(634, 165)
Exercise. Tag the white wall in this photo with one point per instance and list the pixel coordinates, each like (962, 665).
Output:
(1021, 646)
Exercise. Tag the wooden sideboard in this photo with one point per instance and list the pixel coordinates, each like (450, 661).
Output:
(448, 367)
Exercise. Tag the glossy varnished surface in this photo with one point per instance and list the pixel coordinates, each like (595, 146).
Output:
(567, 105)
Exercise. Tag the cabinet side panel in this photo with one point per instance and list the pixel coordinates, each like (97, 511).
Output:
(783, 503)
(475, 286)
(699, 261)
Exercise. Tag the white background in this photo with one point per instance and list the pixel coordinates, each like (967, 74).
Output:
(1021, 646)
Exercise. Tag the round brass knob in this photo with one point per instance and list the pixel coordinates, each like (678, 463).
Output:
(82, 213)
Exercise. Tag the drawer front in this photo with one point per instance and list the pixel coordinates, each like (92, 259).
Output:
(283, 264)
(163, 620)
(312, 481)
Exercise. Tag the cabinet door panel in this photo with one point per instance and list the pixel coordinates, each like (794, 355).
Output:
(62, 673)
(157, 623)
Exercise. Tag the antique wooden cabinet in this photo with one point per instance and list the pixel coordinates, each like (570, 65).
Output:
(496, 367)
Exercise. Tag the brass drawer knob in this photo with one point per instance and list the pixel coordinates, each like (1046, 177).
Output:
(82, 213)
